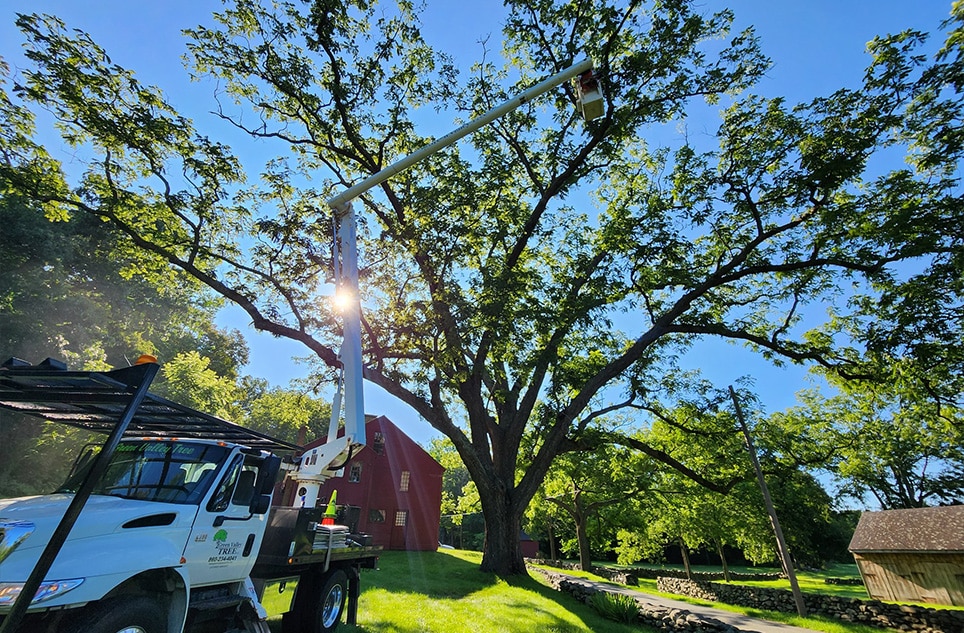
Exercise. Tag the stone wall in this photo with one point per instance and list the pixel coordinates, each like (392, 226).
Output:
(705, 575)
(663, 618)
(631, 577)
(870, 612)
(622, 577)
(854, 582)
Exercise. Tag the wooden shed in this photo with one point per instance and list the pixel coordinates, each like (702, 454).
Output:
(912, 555)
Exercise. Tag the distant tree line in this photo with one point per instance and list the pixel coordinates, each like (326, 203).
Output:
(71, 290)
(618, 504)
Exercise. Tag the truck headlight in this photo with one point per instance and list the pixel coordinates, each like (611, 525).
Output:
(47, 590)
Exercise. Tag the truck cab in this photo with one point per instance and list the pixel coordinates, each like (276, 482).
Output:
(186, 514)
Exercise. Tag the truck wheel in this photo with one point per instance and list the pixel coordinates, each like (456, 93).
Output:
(331, 602)
(250, 621)
(131, 614)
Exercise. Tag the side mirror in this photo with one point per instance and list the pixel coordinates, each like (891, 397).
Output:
(260, 504)
(264, 486)
(267, 474)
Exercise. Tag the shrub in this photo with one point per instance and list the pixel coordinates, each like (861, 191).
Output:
(615, 606)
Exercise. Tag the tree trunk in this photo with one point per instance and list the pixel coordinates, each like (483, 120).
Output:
(726, 569)
(502, 551)
(552, 543)
(582, 533)
(686, 559)
(585, 556)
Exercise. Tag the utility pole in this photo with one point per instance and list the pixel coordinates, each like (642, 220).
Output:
(774, 521)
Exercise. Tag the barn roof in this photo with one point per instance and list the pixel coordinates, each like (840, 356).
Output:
(939, 529)
(375, 423)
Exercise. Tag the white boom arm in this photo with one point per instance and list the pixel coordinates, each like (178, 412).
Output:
(339, 202)
(346, 265)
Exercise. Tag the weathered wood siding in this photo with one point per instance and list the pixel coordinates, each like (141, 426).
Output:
(914, 577)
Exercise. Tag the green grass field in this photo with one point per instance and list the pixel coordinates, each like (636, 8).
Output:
(814, 582)
(444, 592)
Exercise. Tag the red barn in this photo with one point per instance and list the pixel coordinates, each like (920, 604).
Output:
(396, 486)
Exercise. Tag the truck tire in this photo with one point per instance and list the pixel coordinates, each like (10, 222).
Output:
(250, 621)
(128, 614)
(331, 602)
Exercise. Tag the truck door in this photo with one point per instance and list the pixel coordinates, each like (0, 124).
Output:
(226, 536)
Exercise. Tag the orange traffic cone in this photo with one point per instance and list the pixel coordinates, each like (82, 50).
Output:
(329, 516)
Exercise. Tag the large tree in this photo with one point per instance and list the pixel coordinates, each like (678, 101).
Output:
(514, 290)
(890, 441)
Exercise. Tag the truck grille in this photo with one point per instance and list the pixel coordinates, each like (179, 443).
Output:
(12, 534)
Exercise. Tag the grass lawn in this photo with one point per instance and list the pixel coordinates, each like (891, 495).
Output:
(444, 591)
(813, 582)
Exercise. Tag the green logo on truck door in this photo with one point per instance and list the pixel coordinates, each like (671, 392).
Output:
(225, 552)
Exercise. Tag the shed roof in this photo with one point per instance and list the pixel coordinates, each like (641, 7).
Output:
(939, 529)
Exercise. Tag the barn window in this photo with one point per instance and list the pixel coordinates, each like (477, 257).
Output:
(376, 516)
(378, 445)
(403, 484)
(401, 517)
(354, 475)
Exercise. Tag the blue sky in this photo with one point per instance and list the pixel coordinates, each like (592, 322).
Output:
(817, 46)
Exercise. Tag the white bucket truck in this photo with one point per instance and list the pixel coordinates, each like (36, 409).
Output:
(169, 526)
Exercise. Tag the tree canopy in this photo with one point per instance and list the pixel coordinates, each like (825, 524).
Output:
(889, 442)
(549, 271)
(76, 292)
(73, 291)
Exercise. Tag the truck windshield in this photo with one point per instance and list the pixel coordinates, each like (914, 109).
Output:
(171, 472)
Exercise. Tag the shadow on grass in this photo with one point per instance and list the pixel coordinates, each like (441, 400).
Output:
(433, 574)
(439, 592)
(445, 574)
